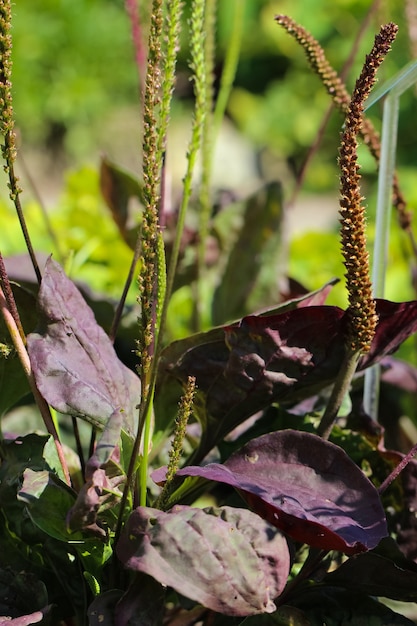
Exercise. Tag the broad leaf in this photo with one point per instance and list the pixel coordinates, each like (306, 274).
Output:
(229, 560)
(333, 607)
(210, 349)
(22, 593)
(143, 603)
(243, 368)
(396, 322)
(307, 487)
(48, 501)
(101, 610)
(384, 572)
(74, 363)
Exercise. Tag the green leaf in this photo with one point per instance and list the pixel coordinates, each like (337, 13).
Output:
(48, 502)
(251, 277)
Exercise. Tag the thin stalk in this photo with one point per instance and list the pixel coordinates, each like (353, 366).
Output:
(78, 444)
(8, 294)
(40, 401)
(230, 65)
(397, 471)
(207, 147)
(340, 389)
(120, 306)
(7, 124)
(137, 39)
(35, 190)
(213, 121)
(149, 276)
(165, 288)
(153, 295)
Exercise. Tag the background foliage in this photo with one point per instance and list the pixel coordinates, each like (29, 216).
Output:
(76, 96)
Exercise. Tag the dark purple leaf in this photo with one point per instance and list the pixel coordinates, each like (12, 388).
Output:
(331, 606)
(386, 573)
(228, 560)
(101, 610)
(280, 358)
(255, 362)
(118, 187)
(397, 321)
(23, 597)
(143, 603)
(74, 362)
(307, 487)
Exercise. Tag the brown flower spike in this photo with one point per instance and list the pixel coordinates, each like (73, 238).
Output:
(340, 96)
(363, 318)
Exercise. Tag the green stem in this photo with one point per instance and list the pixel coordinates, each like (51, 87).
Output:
(230, 65)
(340, 389)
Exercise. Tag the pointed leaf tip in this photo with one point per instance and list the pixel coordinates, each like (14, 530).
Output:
(307, 487)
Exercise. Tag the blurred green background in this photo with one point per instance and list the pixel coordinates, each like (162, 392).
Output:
(76, 97)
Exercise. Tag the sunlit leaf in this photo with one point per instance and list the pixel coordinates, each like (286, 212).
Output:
(73, 360)
(229, 560)
(307, 487)
(244, 367)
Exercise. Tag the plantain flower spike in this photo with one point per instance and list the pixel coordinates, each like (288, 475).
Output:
(341, 98)
(362, 311)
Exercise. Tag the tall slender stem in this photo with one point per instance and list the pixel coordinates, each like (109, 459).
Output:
(40, 401)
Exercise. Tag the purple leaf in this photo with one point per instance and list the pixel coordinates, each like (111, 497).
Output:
(307, 487)
(143, 603)
(275, 358)
(101, 610)
(74, 363)
(384, 572)
(399, 374)
(227, 559)
(397, 321)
